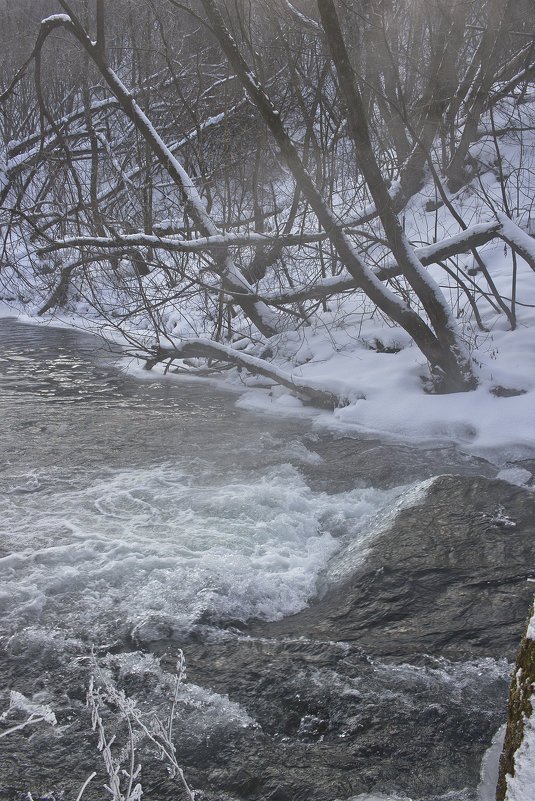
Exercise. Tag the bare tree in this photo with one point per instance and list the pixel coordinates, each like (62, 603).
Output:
(154, 180)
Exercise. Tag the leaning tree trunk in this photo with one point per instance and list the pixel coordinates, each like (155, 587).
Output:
(233, 281)
(455, 359)
(443, 350)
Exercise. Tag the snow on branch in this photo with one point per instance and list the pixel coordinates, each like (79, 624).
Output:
(472, 237)
(511, 233)
(232, 278)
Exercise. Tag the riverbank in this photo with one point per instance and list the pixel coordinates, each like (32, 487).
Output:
(382, 376)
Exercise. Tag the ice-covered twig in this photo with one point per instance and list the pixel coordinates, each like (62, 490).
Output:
(154, 730)
(37, 713)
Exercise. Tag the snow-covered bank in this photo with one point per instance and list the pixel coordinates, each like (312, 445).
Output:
(343, 346)
(387, 396)
(382, 376)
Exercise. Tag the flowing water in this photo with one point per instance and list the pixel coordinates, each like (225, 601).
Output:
(140, 512)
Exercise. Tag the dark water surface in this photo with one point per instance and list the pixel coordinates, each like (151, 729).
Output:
(332, 649)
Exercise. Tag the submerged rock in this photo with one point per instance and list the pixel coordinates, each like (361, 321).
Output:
(347, 462)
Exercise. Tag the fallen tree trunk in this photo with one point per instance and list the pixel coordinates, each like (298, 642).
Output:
(205, 348)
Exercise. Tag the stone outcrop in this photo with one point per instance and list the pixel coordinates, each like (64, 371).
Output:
(519, 712)
(436, 605)
(451, 578)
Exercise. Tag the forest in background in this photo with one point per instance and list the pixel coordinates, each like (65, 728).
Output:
(209, 179)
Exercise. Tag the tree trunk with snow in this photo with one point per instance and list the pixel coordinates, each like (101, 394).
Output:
(232, 279)
(443, 348)
(517, 772)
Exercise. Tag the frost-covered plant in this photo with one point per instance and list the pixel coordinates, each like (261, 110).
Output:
(95, 700)
(102, 692)
(123, 784)
(36, 713)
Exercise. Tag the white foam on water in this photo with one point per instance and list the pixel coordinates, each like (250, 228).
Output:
(199, 709)
(123, 547)
(405, 685)
(348, 558)
(455, 795)
(376, 797)
(448, 678)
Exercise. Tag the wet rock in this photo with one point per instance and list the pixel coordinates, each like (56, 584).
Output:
(396, 679)
(450, 578)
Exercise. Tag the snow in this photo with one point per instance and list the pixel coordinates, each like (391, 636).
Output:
(520, 787)
(530, 634)
(349, 350)
(490, 765)
(385, 392)
(387, 395)
(20, 702)
(3, 168)
(517, 236)
(57, 19)
(515, 475)
(345, 350)
(308, 21)
(7, 310)
(382, 378)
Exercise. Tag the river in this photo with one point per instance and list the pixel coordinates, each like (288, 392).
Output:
(143, 516)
